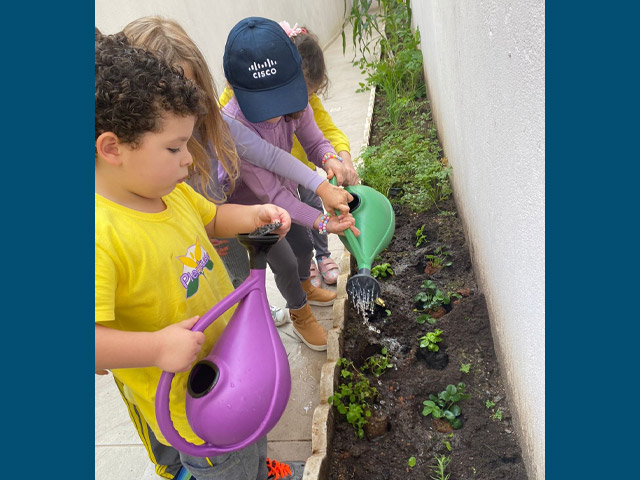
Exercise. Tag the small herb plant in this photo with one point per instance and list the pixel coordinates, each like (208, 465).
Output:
(433, 298)
(425, 317)
(442, 462)
(378, 363)
(382, 271)
(497, 415)
(431, 340)
(412, 462)
(464, 367)
(420, 236)
(354, 397)
(489, 404)
(439, 257)
(446, 404)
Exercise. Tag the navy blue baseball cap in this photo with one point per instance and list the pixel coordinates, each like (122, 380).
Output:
(264, 68)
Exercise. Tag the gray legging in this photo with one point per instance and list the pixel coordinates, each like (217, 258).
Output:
(320, 242)
(289, 260)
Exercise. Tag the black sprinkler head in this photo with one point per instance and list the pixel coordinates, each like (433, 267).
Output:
(363, 288)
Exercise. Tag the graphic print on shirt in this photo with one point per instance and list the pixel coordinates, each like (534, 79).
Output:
(193, 265)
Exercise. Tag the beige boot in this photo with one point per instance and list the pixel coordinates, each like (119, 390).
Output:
(308, 329)
(318, 296)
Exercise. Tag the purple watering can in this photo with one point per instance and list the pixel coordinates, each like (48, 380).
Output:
(239, 391)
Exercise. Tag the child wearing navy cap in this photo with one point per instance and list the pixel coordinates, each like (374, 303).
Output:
(264, 69)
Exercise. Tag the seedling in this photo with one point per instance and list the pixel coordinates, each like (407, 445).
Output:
(447, 444)
(378, 363)
(489, 404)
(420, 236)
(412, 462)
(382, 271)
(442, 462)
(433, 298)
(464, 367)
(439, 257)
(425, 317)
(446, 404)
(498, 415)
(431, 339)
(354, 397)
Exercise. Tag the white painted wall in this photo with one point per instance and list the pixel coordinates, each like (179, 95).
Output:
(208, 22)
(485, 70)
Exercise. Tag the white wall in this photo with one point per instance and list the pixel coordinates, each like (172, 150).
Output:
(208, 22)
(485, 70)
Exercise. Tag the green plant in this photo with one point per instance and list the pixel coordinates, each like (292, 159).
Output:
(446, 404)
(442, 462)
(420, 236)
(438, 258)
(447, 444)
(378, 363)
(489, 404)
(464, 367)
(430, 340)
(498, 415)
(425, 317)
(382, 270)
(412, 462)
(432, 298)
(354, 397)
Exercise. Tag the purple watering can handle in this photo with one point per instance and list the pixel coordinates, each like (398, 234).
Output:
(163, 414)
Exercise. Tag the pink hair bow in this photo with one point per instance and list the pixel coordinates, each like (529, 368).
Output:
(291, 31)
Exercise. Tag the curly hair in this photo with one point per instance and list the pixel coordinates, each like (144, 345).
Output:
(313, 65)
(135, 90)
(167, 38)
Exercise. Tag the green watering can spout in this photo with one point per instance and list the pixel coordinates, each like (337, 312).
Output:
(377, 223)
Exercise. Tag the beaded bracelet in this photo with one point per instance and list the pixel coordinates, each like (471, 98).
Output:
(322, 227)
(328, 156)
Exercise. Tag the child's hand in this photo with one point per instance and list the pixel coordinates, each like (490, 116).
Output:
(339, 223)
(269, 213)
(333, 166)
(351, 176)
(334, 198)
(177, 346)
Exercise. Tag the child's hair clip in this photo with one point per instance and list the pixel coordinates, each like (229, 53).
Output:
(292, 31)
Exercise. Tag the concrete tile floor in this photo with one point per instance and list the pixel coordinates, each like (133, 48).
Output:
(119, 454)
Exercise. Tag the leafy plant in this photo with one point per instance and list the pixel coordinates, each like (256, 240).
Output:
(412, 462)
(442, 462)
(354, 397)
(498, 415)
(420, 236)
(438, 258)
(382, 270)
(464, 367)
(425, 317)
(432, 298)
(445, 405)
(431, 339)
(378, 363)
(489, 404)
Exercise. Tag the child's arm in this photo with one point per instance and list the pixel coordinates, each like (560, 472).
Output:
(173, 349)
(336, 137)
(231, 219)
(261, 153)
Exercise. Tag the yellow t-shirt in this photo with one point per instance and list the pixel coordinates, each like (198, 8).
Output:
(153, 270)
(336, 137)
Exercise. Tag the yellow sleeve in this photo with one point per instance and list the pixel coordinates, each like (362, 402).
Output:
(336, 137)
(206, 208)
(226, 95)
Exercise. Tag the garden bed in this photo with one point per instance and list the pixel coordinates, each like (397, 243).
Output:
(486, 446)
(399, 442)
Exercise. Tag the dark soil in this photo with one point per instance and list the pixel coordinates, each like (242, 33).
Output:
(484, 448)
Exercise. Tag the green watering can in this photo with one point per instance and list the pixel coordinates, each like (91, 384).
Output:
(377, 223)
